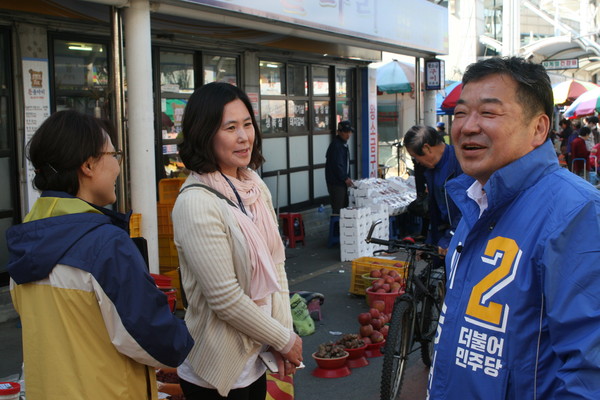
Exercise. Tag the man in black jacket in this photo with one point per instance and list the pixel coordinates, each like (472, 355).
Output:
(337, 168)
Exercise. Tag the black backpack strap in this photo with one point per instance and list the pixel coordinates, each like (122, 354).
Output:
(213, 191)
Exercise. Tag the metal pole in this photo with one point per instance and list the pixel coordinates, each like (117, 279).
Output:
(117, 104)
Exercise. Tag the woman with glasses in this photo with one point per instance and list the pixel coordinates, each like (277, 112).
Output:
(230, 253)
(94, 323)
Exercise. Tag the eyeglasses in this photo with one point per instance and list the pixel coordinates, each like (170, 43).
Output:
(116, 154)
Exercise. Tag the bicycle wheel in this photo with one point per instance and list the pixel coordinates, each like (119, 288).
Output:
(399, 343)
(431, 316)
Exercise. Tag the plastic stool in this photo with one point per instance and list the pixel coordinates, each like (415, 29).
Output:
(293, 227)
(334, 230)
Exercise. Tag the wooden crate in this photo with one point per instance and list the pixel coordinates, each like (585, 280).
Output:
(365, 265)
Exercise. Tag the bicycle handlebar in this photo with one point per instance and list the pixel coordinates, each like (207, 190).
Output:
(407, 243)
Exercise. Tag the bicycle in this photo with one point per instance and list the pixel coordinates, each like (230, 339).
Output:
(397, 161)
(415, 314)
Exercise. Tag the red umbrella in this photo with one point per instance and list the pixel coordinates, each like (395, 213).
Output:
(452, 96)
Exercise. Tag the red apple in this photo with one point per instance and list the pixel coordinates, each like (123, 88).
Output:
(366, 339)
(380, 290)
(388, 279)
(384, 271)
(364, 318)
(366, 330)
(377, 337)
(378, 304)
(385, 330)
(374, 313)
(375, 273)
(377, 323)
(386, 287)
(399, 265)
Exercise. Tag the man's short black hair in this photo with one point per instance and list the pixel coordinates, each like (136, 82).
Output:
(534, 91)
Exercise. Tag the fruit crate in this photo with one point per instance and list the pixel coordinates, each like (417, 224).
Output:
(167, 252)
(135, 225)
(165, 223)
(168, 189)
(365, 265)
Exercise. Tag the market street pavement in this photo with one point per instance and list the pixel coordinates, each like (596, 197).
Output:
(317, 268)
(311, 267)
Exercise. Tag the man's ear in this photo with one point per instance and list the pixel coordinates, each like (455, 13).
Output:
(542, 127)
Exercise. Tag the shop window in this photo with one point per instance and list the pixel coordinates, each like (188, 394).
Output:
(320, 81)
(219, 69)
(272, 116)
(80, 74)
(322, 117)
(176, 85)
(272, 78)
(344, 82)
(297, 78)
(297, 116)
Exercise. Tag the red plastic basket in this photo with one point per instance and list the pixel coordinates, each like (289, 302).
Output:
(162, 281)
(388, 299)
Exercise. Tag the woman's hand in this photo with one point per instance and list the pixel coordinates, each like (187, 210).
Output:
(288, 362)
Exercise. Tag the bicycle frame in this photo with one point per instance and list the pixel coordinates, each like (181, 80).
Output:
(415, 314)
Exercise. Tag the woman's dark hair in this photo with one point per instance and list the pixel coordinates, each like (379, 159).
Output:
(565, 122)
(584, 131)
(63, 142)
(202, 118)
(534, 91)
(418, 136)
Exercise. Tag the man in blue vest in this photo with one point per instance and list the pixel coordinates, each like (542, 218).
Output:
(521, 315)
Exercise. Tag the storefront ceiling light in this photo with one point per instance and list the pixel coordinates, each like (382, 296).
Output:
(80, 48)
(273, 65)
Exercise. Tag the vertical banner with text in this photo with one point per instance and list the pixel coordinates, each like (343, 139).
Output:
(36, 93)
(373, 147)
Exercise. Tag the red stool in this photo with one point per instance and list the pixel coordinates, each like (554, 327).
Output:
(293, 227)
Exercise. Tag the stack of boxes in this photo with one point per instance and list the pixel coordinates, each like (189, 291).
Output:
(354, 228)
(395, 194)
(168, 260)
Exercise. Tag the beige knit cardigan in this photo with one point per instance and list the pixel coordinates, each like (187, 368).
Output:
(227, 326)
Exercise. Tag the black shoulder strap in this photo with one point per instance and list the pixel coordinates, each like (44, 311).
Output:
(213, 191)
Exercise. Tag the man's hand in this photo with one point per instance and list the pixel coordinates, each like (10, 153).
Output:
(349, 182)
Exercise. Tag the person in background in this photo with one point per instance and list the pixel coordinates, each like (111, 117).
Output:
(230, 253)
(580, 152)
(426, 146)
(94, 323)
(441, 128)
(574, 134)
(522, 308)
(337, 168)
(592, 123)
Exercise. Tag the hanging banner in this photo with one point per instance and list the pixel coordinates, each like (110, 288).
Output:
(370, 140)
(36, 94)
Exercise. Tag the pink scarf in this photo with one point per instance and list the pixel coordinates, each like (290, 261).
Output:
(258, 227)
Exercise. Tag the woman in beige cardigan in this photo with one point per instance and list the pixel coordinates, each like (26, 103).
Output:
(230, 252)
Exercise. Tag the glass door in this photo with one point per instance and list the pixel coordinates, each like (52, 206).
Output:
(9, 203)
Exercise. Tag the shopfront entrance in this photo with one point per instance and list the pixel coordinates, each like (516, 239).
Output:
(9, 196)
